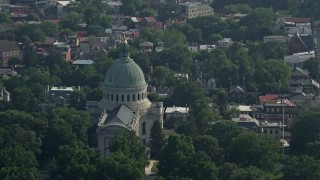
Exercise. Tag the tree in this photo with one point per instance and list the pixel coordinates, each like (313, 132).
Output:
(260, 23)
(174, 156)
(301, 167)
(51, 29)
(250, 173)
(146, 12)
(71, 21)
(210, 146)
(23, 99)
(156, 139)
(312, 66)
(30, 57)
(4, 17)
(253, 149)
(78, 100)
(162, 76)
(300, 138)
(18, 163)
(128, 144)
(186, 89)
(272, 76)
(225, 132)
(75, 161)
(119, 166)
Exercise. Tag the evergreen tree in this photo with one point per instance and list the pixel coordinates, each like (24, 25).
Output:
(156, 139)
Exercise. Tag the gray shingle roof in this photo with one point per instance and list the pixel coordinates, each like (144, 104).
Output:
(7, 46)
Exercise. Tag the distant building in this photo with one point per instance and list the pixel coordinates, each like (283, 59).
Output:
(8, 49)
(297, 59)
(174, 116)
(191, 10)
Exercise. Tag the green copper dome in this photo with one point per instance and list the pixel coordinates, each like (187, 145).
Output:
(125, 73)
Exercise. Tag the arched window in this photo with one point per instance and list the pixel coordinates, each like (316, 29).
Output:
(107, 96)
(122, 97)
(138, 96)
(128, 97)
(133, 97)
(117, 97)
(111, 97)
(144, 128)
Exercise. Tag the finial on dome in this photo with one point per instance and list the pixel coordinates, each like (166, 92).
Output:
(124, 48)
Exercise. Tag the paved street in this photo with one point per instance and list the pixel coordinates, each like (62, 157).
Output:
(150, 175)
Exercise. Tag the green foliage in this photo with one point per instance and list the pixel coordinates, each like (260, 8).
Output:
(78, 100)
(18, 163)
(250, 173)
(75, 161)
(273, 76)
(260, 23)
(183, 90)
(49, 28)
(128, 144)
(225, 132)
(300, 138)
(156, 139)
(146, 12)
(167, 11)
(173, 157)
(179, 161)
(253, 149)
(162, 76)
(301, 167)
(30, 58)
(119, 166)
(209, 25)
(312, 66)
(210, 146)
(237, 8)
(71, 21)
(5, 17)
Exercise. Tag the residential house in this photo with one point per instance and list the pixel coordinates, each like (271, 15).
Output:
(301, 43)
(274, 108)
(64, 49)
(276, 38)
(225, 42)
(175, 116)
(146, 46)
(7, 73)
(8, 49)
(114, 5)
(301, 30)
(298, 76)
(243, 109)
(306, 99)
(297, 21)
(4, 94)
(270, 129)
(189, 10)
(297, 59)
(149, 21)
(18, 11)
(58, 96)
(238, 94)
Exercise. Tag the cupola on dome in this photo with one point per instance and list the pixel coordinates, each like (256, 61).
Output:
(125, 73)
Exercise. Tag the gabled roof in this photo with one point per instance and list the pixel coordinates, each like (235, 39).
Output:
(299, 72)
(150, 19)
(7, 46)
(298, 20)
(236, 89)
(305, 39)
(121, 116)
(268, 98)
(146, 43)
